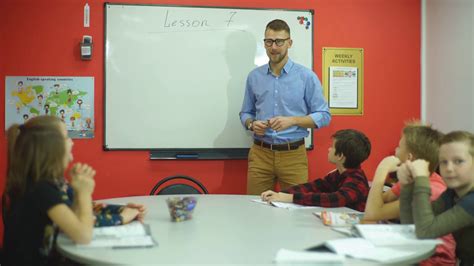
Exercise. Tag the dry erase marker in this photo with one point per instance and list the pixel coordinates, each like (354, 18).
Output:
(86, 15)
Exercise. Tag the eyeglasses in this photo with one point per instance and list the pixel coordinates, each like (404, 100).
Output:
(278, 42)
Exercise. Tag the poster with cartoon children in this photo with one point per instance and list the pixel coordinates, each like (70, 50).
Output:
(69, 98)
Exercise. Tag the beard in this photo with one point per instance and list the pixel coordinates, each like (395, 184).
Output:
(277, 58)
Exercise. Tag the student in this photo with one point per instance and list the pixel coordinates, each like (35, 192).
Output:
(417, 142)
(346, 186)
(39, 151)
(453, 211)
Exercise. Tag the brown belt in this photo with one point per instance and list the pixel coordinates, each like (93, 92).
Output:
(280, 147)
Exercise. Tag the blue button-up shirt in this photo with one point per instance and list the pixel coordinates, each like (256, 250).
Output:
(296, 92)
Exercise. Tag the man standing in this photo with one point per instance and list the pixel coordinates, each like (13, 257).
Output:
(282, 99)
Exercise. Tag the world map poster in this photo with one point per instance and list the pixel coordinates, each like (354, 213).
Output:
(69, 98)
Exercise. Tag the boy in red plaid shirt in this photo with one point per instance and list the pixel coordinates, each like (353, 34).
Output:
(346, 186)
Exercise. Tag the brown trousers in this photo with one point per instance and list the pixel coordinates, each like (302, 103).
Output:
(266, 167)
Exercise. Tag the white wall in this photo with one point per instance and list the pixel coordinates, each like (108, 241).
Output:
(447, 64)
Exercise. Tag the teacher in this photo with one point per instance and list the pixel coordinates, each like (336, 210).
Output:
(282, 99)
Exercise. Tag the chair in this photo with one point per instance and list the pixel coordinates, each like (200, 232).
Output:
(178, 188)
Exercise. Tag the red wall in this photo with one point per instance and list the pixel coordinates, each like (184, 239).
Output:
(41, 38)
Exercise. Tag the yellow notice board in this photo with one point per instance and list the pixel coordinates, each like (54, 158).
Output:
(343, 80)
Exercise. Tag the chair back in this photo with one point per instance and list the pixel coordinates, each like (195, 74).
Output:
(178, 188)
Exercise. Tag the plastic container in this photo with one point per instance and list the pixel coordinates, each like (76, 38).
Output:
(181, 208)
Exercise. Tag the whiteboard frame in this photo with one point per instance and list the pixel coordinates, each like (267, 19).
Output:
(193, 153)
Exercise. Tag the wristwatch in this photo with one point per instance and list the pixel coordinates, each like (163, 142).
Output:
(250, 125)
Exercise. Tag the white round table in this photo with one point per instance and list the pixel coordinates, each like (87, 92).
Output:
(225, 229)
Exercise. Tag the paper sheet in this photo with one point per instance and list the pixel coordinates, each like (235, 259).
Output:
(285, 205)
(363, 249)
(130, 235)
(285, 256)
(392, 235)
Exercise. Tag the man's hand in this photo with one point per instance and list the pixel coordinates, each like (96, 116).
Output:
(259, 127)
(280, 123)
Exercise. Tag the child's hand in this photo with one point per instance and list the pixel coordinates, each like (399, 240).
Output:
(270, 195)
(129, 214)
(141, 210)
(418, 168)
(82, 178)
(267, 195)
(390, 163)
(98, 206)
(404, 175)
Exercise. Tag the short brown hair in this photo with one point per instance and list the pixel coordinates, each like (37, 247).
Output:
(459, 136)
(423, 142)
(278, 25)
(354, 145)
(36, 151)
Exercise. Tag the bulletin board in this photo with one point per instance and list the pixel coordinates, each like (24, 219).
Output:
(343, 80)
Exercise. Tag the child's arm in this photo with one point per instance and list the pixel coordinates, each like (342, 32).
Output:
(427, 223)
(316, 186)
(288, 195)
(389, 196)
(128, 215)
(109, 215)
(72, 199)
(406, 215)
(133, 211)
(271, 195)
(376, 209)
(353, 190)
(78, 226)
(406, 195)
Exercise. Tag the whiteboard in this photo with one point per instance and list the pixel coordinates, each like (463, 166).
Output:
(175, 75)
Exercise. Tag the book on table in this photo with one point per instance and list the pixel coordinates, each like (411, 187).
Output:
(392, 234)
(132, 235)
(298, 257)
(378, 242)
(361, 248)
(331, 218)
